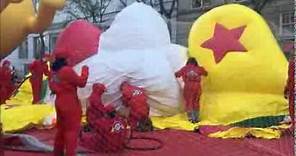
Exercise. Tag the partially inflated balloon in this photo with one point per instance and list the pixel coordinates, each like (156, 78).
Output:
(18, 19)
(137, 48)
(80, 39)
(247, 69)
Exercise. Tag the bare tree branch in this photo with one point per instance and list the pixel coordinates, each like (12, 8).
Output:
(105, 7)
(91, 10)
(123, 3)
(163, 11)
(73, 14)
(172, 8)
(41, 35)
(151, 3)
(259, 4)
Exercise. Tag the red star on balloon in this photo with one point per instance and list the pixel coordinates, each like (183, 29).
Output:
(224, 41)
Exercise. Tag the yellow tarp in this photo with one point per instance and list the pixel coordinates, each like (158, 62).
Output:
(181, 122)
(24, 95)
(19, 117)
(238, 132)
(178, 121)
(19, 112)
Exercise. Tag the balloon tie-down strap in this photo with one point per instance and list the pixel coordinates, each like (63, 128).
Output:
(24, 142)
(158, 144)
(28, 143)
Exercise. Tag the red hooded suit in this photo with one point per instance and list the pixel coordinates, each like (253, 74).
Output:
(96, 108)
(191, 76)
(64, 84)
(135, 98)
(6, 84)
(37, 69)
(110, 134)
(290, 88)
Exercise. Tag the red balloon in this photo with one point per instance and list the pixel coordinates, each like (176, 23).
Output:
(81, 39)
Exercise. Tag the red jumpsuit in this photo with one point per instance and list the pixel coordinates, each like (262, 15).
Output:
(191, 76)
(135, 98)
(6, 84)
(64, 84)
(290, 89)
(96, 108)
(110, 135)
(37, 69)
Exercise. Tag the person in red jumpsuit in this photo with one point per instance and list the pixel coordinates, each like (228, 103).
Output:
(135, 98)
(191, 74)
(96, 108)
(6, 83)
(110, 133)
(63, 81)
(289, 90)
(37, 68)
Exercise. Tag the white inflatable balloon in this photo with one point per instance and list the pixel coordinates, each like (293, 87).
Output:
(137, 48)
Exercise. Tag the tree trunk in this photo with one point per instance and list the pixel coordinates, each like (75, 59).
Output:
(94, 19)
(172, 9)
(261, 6)
(42, 49)
(167, 13)
(169, 23)
(161, 6)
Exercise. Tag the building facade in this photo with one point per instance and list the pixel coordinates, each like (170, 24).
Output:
(279, 14)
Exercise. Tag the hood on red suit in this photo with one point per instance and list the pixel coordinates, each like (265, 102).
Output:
(109, 108)
(6, 62)
(99, 88)
(48, 56)
(125, 86)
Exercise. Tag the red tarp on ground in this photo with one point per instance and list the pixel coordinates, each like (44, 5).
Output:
(181, 143)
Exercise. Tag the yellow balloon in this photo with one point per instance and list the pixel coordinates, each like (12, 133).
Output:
(18, 19)
(243, 85)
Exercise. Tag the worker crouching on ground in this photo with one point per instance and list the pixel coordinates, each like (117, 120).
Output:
(109, 133)
(135, 99)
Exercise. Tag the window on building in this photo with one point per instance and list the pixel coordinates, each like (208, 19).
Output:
(200, 3)
(52, 41)
(37, 47)
(287, 22)
(23, 50)
(25, 69)
(288, 47)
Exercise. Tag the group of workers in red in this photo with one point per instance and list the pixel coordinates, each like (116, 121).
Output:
(7, 85)
(108, 130)
(37, 68)
(107, 127)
